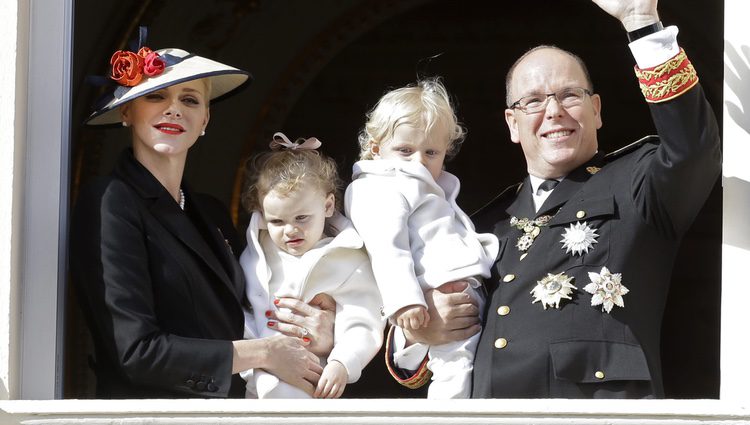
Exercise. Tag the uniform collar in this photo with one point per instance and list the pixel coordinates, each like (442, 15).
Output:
(537, 181)
(523, 205)
(570, 185)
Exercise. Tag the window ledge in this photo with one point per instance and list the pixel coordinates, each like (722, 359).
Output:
(374, 411)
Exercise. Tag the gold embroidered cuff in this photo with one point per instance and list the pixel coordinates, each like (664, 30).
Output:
(668, 80)
(418, 379)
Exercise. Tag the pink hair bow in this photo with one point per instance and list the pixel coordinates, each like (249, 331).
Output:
(280, 141)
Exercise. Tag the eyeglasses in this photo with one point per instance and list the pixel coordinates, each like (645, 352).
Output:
(567, 98)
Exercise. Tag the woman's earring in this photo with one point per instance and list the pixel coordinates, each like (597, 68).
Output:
(203, 132)
(125, 124)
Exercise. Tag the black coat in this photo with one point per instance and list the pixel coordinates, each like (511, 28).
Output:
(160, 288)
(640, 201)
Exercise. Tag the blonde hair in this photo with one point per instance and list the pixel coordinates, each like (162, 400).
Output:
(287, 170)
(425, 105)
(209, 87)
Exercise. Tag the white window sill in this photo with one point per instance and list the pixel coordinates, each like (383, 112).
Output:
(374, 411)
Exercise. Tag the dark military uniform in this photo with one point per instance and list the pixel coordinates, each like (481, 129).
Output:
(639, 201)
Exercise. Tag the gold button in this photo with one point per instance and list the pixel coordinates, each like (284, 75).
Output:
(523, 256)
(581, 214)
(509, 277)
(503, 310)
(501, 343)
(599, 374)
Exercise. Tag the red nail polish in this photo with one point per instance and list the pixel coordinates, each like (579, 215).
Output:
(271, 324)
(276, 302)
(306, 339)
(268, 313)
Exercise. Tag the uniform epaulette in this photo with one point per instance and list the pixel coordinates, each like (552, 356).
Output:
(511, 190)
(631, 147)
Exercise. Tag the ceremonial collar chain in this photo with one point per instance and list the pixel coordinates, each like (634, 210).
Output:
(531, 228)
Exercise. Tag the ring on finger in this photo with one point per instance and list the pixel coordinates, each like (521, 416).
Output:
(305, 332)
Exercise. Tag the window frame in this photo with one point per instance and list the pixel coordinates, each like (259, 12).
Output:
(45, 197)
(43, 265)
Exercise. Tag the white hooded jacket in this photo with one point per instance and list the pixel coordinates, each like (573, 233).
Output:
(339, 268)
(414, 231)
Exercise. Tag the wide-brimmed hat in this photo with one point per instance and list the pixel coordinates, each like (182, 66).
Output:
(163, 68)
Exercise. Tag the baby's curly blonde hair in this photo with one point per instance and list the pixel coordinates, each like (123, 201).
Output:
(425, 105)
(287, 170)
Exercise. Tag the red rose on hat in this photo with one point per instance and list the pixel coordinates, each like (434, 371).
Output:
(126, 68)
(153, 64)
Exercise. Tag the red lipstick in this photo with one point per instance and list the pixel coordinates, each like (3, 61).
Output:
(170, 128)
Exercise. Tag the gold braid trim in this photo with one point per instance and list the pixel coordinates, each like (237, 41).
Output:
(660, 71)
(418, 379)
(668, 80)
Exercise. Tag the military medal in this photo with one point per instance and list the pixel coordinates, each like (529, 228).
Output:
(606, 289)
(593, 170)
(552, 289)
(531, 229)
(579, 238)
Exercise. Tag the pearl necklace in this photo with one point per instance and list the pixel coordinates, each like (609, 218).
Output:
(182, 200)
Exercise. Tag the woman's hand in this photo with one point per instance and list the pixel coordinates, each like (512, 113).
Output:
(285, 357)
(312, 322)
(332, 381)
(289, 360)
(454, 316)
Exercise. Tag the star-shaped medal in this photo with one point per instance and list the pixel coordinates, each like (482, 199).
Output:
(579, 238)
(552, 289)
(606, 289)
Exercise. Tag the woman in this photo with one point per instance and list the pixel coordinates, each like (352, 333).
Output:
(155, 263)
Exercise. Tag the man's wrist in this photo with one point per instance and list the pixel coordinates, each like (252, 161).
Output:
(644, 31)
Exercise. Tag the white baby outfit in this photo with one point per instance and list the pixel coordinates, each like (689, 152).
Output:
(418, 239)
(337, 266)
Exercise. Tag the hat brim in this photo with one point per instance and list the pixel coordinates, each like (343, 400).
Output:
(224, 80)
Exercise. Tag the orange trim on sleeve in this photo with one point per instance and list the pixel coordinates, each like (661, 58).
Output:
(418, 379)
(668, 80)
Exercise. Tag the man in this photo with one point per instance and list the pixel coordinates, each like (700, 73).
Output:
(587, 240)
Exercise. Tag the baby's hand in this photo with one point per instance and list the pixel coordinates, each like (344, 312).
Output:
(412, 317)
(332, 381)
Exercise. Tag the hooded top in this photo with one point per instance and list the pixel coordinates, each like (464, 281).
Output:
(337, 266)
(414, 231)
